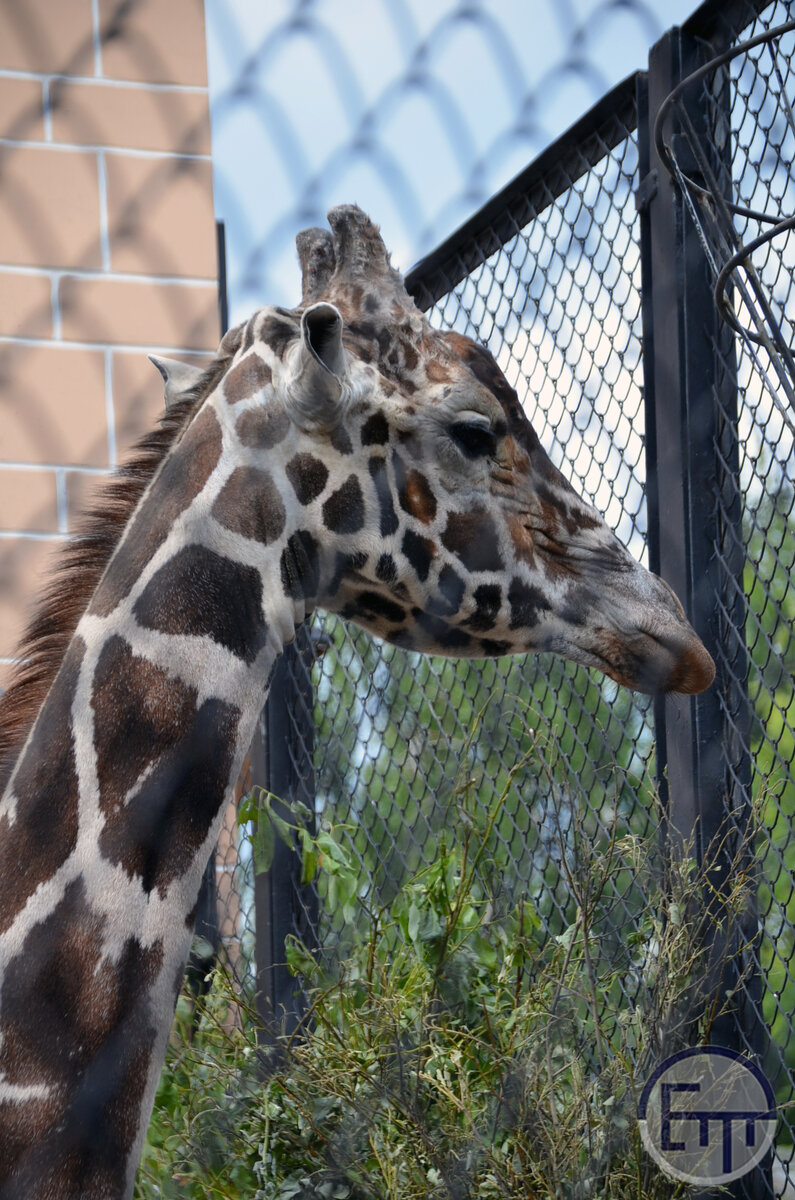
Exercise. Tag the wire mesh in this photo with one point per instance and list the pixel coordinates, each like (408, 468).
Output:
(758, 651)
(417, 69)
(552, 285)
(564, 755)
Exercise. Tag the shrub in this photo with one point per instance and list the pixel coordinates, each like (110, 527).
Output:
(458, 1050)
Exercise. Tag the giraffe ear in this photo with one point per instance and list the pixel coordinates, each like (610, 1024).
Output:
(316, 377)
(178, 377)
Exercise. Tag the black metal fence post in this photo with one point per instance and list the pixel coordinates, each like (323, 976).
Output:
(282, 760)
(696, 544)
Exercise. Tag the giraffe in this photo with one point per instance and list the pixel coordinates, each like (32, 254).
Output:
(341, 454)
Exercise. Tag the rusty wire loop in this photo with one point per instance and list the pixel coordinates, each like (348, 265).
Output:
(713, 213)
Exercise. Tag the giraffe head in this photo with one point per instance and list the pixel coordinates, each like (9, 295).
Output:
(416, 498)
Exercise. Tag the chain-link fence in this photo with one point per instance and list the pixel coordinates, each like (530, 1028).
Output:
(559, 306)
(754, 504)
(590, 278)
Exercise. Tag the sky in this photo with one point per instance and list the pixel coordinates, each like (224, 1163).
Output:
(417, 110)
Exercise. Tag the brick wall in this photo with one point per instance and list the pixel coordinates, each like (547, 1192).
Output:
(107, 251)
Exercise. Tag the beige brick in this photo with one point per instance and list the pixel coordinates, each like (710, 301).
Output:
(139, 314)
(96, 114)
(25, 305)
(154, 41)
(21, 109)
(47, 36)
(138, 395)
(28, 501)
(24, 566)
(52, 405)
(81, 489)
(49, 208)
(160, 214)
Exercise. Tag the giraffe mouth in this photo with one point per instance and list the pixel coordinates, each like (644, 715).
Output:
(653, 663)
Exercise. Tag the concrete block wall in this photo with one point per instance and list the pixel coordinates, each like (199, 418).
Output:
(107, 251)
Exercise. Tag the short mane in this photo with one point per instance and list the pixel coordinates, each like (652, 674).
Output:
(81, 566)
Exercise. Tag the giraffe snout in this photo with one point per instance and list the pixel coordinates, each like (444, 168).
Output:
(653, 664)
(652, 647)
(693, 670)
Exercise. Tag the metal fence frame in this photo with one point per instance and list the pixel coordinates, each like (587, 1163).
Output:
(703, 757)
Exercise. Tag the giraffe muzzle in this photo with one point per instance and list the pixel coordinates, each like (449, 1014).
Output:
(657, 663)
(655, 649)
(693, 670)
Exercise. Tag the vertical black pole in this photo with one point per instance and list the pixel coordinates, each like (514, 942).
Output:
(223, 294)
(696, 544)
(285, 768)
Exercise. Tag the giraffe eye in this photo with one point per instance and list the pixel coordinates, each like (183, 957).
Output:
(474, 438)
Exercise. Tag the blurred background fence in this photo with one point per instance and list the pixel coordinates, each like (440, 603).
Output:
(591, 279)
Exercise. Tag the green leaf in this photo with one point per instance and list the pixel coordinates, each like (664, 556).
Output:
(299, 959)
(309, 858)
(263, 844)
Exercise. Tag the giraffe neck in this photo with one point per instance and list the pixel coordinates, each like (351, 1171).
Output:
(113, 809)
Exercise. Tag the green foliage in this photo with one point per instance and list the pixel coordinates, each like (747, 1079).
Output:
(769, 585)
(457, 1051)
(399, 731)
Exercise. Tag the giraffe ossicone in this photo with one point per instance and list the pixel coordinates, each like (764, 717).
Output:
(343, 454)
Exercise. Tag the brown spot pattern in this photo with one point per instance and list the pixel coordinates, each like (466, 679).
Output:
(279, 331)
(341, 440)
(558, 511)
(199, 593)
(373, 607)
(300, 566)
(488, 599)
(140, 713)
(246, 378)
(249, 504)
(451, 589)
(81, 1024)
(527, 603)
(419, 551)
(180, 480)
(472, 536)
(375, 431)
(415, 496)
(436, 371)
(343, 512)
(44, 833)
(148, 725)
(410, 355)
(263, 427)
(165, 824)
(522, 539)
(308, 476)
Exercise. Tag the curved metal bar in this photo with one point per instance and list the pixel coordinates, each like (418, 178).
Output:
(665, 108)
(721, 299)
